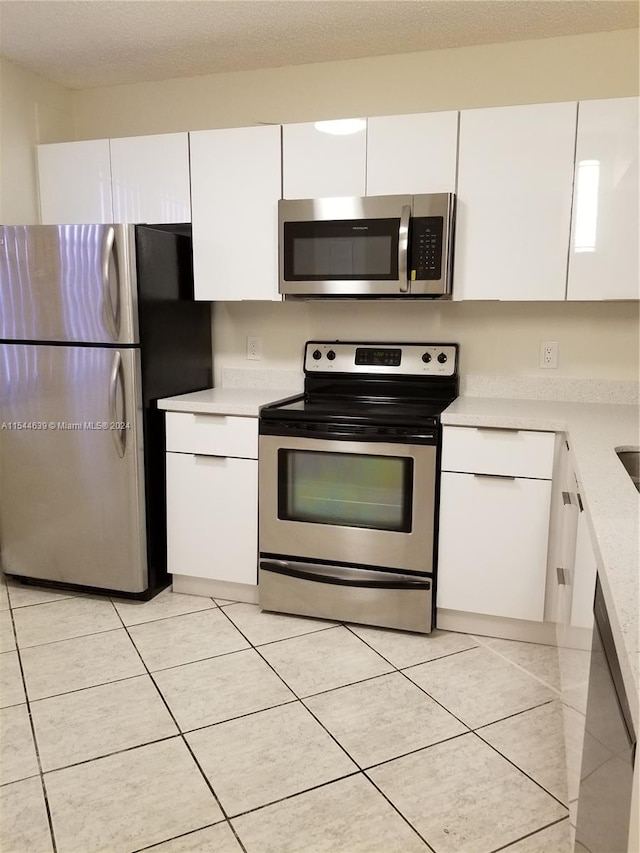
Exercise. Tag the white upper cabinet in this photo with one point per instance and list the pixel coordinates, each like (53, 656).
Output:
(235, 186)
(317, 164)
(411, 154)
(515, 175)
(75, 182)
(603, 261)
(150, 178)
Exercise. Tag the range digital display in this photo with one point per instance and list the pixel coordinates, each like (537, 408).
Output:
(386, 357)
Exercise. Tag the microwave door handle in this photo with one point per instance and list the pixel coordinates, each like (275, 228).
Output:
(403, 248)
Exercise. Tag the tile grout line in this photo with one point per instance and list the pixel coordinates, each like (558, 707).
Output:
(433, 699)
(33, 734)
(301, 700)
(88, 687)
(361, 771)
(546, 684)
(106, 630)
(444, 707)
(396, 809)
(470, 730)
(530, 834)
(182, 736)
(297, 697)
(155, 844)
(524, 773)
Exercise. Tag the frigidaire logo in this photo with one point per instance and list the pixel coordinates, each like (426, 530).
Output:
(359, 227)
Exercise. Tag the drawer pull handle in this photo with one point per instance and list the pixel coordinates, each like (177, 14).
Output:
(205, 457)
(580, 503)
(500, 429)
(496, 476)
(563, 576)
(208, 418)
(566, 498)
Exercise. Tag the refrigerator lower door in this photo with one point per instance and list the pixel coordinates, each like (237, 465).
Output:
(72, 506)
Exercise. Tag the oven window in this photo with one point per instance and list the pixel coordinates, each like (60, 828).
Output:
(345, 489)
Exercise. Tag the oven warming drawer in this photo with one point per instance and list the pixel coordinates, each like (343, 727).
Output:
(346, 594)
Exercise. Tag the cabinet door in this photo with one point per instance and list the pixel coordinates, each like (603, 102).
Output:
(150, 178)
(515, 176)
(493, 545)
(584, 578)
(412, 154)
(565, 562)
(235, 187)
(75, 182)
(322, 165)
(212, 516)
(603, 262)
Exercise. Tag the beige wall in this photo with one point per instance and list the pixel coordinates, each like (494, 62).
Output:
(592, 66)
(32, 110)
(598, 340)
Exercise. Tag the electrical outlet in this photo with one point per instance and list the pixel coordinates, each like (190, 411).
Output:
(549, 354)
(254, 348)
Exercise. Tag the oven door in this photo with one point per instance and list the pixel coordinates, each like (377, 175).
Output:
(361, 503)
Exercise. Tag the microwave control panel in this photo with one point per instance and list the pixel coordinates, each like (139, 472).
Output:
(425, 248)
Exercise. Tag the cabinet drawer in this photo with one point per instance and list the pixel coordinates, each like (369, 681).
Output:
(212, 435)
(493, 545)
(506, 452)
(212, 517)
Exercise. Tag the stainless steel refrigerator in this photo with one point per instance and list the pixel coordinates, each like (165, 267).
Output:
(96, 323)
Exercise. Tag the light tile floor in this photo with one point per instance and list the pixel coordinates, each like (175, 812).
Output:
(186, 724)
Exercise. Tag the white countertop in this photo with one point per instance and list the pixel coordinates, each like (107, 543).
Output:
(241, 402)
(595, 431)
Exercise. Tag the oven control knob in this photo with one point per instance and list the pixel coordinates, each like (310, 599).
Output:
(331, 355)
(317, 354)
(442, 357)
(426, 357)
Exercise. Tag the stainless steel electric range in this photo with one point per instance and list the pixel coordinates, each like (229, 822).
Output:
(349, 481)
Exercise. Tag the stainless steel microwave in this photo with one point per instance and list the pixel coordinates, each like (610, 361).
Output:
(380, 246)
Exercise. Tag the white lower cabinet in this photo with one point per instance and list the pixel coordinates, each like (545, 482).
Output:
(212, 503)
(494, 522)
(576, 578)
(493, 545)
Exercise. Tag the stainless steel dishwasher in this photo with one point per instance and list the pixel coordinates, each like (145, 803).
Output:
(606, 779)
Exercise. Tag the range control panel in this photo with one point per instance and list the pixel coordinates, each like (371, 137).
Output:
(388, 358)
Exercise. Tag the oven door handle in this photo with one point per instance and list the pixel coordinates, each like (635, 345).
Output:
(345, 575)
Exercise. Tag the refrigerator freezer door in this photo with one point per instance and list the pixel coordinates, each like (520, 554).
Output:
(72, 504)
(68, 283)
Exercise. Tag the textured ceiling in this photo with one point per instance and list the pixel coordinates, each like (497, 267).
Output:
(88, 43)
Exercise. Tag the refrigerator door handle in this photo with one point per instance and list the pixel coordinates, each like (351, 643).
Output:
(118, 428)
(112, 313)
